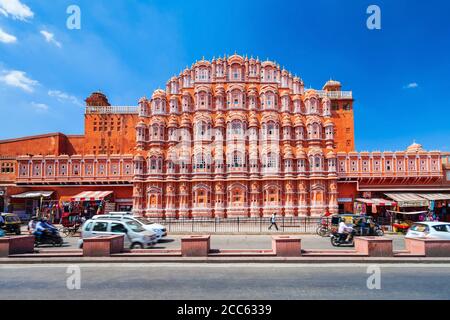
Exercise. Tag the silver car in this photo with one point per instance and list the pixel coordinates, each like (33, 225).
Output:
(430, 230)
(135, 237)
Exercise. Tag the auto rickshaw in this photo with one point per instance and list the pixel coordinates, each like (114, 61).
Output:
(371, 227)
(12, 223)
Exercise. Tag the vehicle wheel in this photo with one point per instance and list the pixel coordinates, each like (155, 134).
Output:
(66, 232)
(323, 232)
(380, 233)
(335, 241)
(18, 232)
(137, 245)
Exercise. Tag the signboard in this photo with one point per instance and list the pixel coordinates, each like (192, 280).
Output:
(343, 200)
(413, 203)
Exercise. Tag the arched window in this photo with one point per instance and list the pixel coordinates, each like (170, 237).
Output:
(237, 160)
(236, 127)
(200, 163)
(271, 161)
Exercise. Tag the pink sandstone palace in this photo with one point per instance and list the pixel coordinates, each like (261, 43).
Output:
(231, 137)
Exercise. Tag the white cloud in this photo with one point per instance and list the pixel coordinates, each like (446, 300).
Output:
(64, 97)
(50, 38)
(6, 37)
(15, 9)
(18, 79)
(412, 85)
(39, 107)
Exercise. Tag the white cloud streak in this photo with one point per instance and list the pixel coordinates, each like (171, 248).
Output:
(412, 85)
(50, 38)
(15, 9)
(64, 97)
(6, 37)
(39, 107)
(18, 79)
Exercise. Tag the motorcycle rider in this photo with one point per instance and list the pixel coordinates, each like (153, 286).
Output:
(41, 227)
(32, 225)
(345, 230)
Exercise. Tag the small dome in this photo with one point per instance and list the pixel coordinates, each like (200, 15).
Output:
(332, 84)
(415, 147)
(158, 93)
(140, 124)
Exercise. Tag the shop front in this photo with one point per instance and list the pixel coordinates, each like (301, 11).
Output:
(439, 204)
(2, 201)
(35, 203)
(90, 203)
(375, 207)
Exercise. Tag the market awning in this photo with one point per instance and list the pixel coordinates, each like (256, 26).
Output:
(33, 195)
(408, 199)
(435, 196)
(91, 196)
(377, 202)
(407, 213)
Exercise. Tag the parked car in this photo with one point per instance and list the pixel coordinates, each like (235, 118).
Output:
(146, 223)
(429, 229)
(12, 223)
(135, 237)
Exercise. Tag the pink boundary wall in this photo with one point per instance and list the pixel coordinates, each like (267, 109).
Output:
(16, 245)
(287, 246)
(428, 247)
(102, 246)
(374, 246)
(195, 246)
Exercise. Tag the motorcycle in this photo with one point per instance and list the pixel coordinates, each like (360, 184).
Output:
(323, 228)
(49, 236)
(338, 239)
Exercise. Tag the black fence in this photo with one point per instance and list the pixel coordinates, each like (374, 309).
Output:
(244, 225)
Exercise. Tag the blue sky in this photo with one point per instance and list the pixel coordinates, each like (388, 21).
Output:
(399, 75)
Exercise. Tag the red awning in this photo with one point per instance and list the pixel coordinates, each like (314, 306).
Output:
(91, 196)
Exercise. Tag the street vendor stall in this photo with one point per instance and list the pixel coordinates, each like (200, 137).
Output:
(31, 203)
(90, 203)
(401, 221)
(375, 207)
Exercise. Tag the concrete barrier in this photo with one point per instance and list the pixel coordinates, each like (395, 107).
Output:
(102, 246)
(428, 247)
(374, 246)
(195, 246)
(287, 246)
(16, 245)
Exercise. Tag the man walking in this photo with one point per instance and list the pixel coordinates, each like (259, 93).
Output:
(273, 221)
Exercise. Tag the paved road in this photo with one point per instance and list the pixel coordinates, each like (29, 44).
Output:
(248, 242)
(225, 281)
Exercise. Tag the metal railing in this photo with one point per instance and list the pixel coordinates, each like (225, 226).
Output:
(240, 224)
(335, 94)
(111, 109)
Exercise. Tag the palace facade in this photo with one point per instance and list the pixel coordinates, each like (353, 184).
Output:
(231, 137)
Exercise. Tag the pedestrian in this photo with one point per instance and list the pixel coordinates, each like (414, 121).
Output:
(273, 221)
(2, 221)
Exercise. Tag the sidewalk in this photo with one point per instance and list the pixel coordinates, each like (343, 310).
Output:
(221, 260)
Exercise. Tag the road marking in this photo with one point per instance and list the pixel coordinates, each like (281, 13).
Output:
(228, 265)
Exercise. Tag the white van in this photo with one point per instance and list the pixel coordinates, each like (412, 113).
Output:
(145, 223)
(135, 237)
